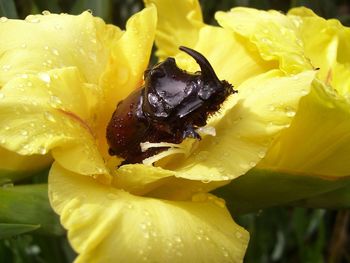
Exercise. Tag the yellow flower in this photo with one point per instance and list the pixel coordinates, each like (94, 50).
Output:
(62, 77)
(317, 143)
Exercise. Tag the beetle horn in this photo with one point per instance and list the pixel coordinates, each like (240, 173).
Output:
(206, 68)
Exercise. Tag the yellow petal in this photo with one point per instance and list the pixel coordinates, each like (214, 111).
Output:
(44, 42)
(178, 24)
(109, 225)
(319, 40)
(233, 58)
(52, 111)
(248, 123)
(273, 33)
(326, 44)
(318, 141)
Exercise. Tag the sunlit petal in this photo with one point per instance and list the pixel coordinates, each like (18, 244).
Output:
(52, 111)
(102, 222)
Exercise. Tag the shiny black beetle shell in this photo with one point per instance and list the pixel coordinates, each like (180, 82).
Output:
(170, 105)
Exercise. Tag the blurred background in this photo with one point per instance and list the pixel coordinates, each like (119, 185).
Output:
(280, 234)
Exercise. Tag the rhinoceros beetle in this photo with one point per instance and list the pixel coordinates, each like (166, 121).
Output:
(169, 107)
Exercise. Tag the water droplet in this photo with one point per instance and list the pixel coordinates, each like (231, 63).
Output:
(55, 101)
(29, 84)
(24, 132)
(55, 52)
(44, 77)
(7, 128)
(225, 177)
(304, 92)
(46, 47)
(32, 19)
(46, 12)
(261, 154)
(146, 235)
(252, 164)
(178, 239)
(290, 112)
(42, 150)
(238, 235)
(24, 76)
(24, 45)
(3, 19)
(225, 252)
(2, 95)
(271, 107)
(206, 181)
(48, 115)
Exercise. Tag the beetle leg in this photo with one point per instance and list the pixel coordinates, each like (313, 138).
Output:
(189, 132)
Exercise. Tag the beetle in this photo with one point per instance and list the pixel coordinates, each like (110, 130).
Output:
(169, 107)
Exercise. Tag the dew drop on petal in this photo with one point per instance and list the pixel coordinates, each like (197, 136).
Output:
(45, 77)
(48, 115)
(46, 12)
(290, 112)
(2, 95)
(42, 150)
(32, 19)
(24, 132)
(24, 45)
(3, 19)
(55, 52)
(261, 154)
(238, 235)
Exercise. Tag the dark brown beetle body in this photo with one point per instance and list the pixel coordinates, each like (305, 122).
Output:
(170, 105)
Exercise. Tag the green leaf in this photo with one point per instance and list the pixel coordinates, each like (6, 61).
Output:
(8, 177)
(337, 199)
(260, 189)
(29, 204)
(8, 9)
(99, 8)
(9, 230)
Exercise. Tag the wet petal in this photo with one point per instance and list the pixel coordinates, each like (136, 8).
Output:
(273, 33)
(178, 25)
(44, 42)
(327, 45)
(233, 58)
(52, 111)
(102, 222)
(248, 123)
(318, 141)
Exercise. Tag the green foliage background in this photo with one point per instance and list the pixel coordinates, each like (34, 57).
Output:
(279, 234)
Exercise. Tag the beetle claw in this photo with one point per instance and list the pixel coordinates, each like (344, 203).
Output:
(190, 132)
